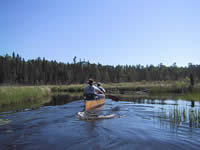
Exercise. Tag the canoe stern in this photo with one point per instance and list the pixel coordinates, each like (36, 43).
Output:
(90, 104)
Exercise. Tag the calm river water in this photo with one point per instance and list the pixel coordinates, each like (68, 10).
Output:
(143, 124)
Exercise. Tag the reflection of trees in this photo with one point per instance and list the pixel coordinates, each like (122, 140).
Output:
(62, 99)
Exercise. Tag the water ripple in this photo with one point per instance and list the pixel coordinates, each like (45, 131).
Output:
(142, 125)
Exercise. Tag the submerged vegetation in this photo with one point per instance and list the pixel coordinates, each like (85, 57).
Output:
(181, 115)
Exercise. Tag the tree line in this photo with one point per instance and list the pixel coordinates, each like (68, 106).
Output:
(15, 70)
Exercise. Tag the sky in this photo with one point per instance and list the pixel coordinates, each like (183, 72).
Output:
(109, 32)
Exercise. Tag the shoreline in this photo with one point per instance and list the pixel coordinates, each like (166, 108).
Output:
(10, 95)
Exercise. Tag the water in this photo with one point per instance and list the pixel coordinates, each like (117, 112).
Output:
(143, 124)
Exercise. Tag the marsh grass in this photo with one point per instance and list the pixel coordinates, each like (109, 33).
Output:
(190, 96)
(177, 116)
(68, 88)
(153, 87)
(22, 94)
(156, 89)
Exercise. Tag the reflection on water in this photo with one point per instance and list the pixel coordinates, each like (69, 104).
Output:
(62, 99)
(56, 99)
(141, 124)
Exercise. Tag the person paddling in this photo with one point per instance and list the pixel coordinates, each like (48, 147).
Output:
(100, 87)
(92, 92)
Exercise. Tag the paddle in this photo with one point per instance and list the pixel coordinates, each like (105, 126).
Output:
(113, 97)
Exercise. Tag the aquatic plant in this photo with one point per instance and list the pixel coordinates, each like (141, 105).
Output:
(177, 116)
(190, 96)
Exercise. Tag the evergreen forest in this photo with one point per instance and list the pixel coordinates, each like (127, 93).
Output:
(14, 70)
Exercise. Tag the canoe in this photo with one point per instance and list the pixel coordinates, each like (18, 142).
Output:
(91, 104)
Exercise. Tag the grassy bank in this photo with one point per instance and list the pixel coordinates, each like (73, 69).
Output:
(152, 87)
(139, 89)
(158, 89)
(68, 88)
(154, 90)
(23, 94)
(119, 88)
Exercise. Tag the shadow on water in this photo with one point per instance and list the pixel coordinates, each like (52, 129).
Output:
(62, 99)
(20, 107)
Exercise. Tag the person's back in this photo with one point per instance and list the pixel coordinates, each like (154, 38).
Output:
(92, 92)
(89, 90)
(100, 87)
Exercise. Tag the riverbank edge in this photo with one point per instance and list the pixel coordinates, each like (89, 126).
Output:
(28, 94)
(10, 95)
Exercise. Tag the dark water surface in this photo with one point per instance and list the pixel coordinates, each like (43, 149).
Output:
(144, 124)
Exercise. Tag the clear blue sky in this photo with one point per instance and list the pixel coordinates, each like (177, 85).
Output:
(105, 31)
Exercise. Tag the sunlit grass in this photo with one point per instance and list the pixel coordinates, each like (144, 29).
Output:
(68, 88)
(22, 94)
(154, 89)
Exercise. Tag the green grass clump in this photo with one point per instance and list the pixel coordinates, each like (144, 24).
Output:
(177, 116)
(154, 87)
(24, 94)
(191, 96)
(68, 88)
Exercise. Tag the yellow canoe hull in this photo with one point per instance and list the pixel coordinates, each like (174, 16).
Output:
(91, 104)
